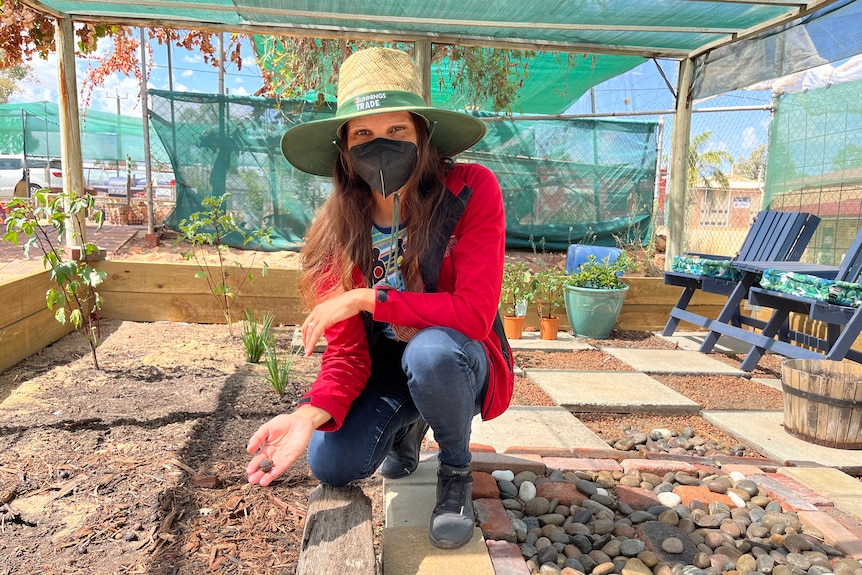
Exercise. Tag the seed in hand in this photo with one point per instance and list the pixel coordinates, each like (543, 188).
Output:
(265, 465)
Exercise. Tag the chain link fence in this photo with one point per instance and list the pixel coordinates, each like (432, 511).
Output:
(815, 164)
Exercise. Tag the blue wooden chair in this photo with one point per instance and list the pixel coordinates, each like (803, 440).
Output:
(843, 321)
(774, 236)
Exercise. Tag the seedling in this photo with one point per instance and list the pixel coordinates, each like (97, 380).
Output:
(209, 229)
(256, 337)
(278, 371)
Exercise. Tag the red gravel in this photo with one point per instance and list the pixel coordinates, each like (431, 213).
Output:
(723, 392)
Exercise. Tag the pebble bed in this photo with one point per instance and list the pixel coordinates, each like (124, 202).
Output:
(684, 441)
(604, 522)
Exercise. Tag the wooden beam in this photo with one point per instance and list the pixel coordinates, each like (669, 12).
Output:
(20, 340)
(422, 61)
(679, 163)
(140, 291)
(45, 9)
(146, 292)
(337, 537)
(28, 295)
(70, 126)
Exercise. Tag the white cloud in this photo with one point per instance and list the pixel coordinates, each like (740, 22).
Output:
(45, 74)
(749, 138)
(114, 87)
(239, 91)
(104, 46)
(180, 87)
(187, 73)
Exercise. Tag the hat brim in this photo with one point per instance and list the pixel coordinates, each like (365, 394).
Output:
(312, 147)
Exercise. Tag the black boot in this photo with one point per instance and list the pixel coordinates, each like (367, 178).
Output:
(404, 456)
(452, 520)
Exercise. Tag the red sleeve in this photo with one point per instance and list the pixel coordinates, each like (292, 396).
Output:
(344, 370)
(472, 270)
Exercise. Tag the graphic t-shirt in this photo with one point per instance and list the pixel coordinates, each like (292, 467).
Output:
(384, 272)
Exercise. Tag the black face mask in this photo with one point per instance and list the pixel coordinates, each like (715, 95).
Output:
(384, 164)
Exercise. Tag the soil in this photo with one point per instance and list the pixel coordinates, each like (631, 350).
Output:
(139, 467)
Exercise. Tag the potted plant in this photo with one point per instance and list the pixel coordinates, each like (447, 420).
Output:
(549, 294)
(518, 290)
(594, 295)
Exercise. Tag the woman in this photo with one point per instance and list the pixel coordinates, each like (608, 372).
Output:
(402, 268)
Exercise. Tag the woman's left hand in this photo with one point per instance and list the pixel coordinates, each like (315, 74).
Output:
(333, 310)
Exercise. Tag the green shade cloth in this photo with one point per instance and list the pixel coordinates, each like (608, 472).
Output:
(563, 181)
(104, 136)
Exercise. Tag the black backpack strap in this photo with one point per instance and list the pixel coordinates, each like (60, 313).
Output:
(443, 226)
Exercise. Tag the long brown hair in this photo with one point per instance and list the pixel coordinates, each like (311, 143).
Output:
(339, 238)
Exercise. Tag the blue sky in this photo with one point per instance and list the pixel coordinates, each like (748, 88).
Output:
(189, 74)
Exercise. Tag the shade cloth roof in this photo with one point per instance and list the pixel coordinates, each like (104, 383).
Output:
(658, 28)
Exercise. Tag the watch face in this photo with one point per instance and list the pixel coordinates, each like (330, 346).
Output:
(382, 295)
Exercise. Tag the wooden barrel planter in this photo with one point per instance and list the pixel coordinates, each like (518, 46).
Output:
(823, 402)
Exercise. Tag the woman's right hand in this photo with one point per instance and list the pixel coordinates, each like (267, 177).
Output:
(282, 440)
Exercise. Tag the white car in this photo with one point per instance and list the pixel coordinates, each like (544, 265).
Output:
(44, 173)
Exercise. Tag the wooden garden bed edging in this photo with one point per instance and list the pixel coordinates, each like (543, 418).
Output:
(144, 291)
(337, 537)
(141, 291)
(26, 323)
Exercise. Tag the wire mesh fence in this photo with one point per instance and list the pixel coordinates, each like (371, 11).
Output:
(815, 164)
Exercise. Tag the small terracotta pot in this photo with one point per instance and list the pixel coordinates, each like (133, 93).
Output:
(548, 327)
(513, 326)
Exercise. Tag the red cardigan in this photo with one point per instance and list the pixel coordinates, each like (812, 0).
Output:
(466, 299)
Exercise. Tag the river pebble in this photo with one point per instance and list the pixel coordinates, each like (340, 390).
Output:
(731, 525)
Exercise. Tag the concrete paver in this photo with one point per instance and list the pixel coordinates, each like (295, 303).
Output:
(530, 341)
(409, 500)
(764, 430)
(672, 361)
(769, 381)
(425, 474)
(407, 551)
(844, 491)
(410, 505)
(692, 340)
(610, 391)
(534, 427)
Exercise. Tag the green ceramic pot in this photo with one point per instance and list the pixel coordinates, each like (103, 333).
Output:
(593, 313)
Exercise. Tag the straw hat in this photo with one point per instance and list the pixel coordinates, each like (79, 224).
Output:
(374, 81)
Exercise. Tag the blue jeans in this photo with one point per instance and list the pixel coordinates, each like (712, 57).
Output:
(441, 375)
